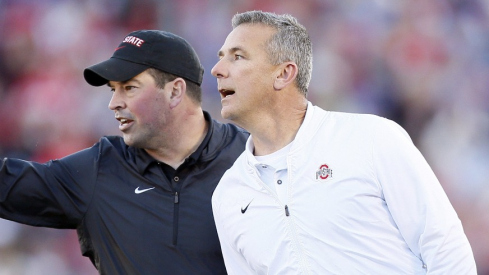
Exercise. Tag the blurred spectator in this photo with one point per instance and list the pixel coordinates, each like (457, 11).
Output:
(424, 64)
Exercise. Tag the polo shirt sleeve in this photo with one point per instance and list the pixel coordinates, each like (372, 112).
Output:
(54, 194)
(418, 204)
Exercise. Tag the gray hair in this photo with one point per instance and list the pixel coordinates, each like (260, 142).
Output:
(291, 42)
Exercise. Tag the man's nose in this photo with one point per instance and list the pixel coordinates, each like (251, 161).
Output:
(116, 101)
(218, 69)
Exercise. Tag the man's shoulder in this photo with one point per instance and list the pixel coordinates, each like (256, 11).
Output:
(362, 120)
(225, 128)
(112, 141)
(346, 124)
(365, 117)
(228, 133)
(110, 145)
(229, 128)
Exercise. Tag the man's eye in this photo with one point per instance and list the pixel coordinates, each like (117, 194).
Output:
(127, 88)
(238, 57)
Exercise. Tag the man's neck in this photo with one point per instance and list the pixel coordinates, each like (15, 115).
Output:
(276, 130)
(187, 137)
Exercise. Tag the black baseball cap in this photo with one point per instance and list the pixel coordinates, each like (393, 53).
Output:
(145, 49)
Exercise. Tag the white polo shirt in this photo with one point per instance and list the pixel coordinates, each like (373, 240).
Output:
(272, 170)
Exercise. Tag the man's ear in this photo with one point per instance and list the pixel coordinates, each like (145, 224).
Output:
(179, 88)
(286, 75)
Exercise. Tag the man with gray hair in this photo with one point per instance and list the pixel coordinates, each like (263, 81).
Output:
(320, 192)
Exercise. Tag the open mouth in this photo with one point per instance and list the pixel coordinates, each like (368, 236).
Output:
(226, 93)
(124, 121)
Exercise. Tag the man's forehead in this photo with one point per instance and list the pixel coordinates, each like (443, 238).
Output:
(244, 36)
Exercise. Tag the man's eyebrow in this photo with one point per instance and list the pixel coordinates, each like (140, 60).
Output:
(125, 82)
(131, 80)
(232, 50)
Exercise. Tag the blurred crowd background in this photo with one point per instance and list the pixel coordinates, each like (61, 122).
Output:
(421, 63)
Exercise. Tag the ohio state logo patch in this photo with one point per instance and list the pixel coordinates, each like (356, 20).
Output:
(324, 172)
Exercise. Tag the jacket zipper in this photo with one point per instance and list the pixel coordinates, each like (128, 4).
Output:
(290, 223)
(293, 228)
(175, 217)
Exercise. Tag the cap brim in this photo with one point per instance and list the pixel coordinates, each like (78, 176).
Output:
(113, 69)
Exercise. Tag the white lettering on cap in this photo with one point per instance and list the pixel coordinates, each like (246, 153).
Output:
(133, 40)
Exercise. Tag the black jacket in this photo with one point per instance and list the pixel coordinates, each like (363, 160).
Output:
(131, 216)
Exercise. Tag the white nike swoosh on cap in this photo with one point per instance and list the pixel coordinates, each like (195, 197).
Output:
(138, 191)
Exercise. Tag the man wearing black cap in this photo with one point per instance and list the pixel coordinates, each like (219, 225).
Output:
(141, 203)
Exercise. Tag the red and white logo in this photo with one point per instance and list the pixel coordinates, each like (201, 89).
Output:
(324, 172)
(138, 42)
